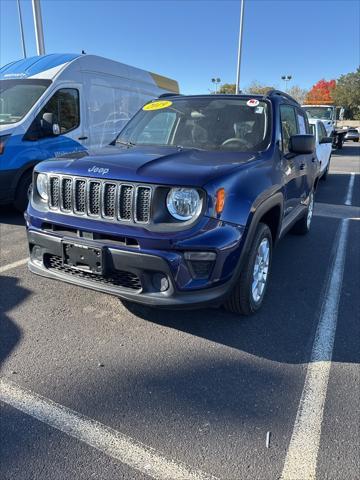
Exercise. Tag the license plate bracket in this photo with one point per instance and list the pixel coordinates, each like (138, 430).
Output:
(85, 258)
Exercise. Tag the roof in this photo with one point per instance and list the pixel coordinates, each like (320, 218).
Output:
(33, 66)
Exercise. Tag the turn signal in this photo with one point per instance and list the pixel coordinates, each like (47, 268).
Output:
(220, 200)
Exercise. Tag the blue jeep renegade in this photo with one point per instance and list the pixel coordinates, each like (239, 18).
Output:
(186, 205)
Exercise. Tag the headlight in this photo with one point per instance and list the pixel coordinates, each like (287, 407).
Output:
(42, 185)
(183, 203)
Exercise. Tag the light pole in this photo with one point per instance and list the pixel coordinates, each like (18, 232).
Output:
(39, 33)
(237, 85)
(287, 79)
(21, 29)
(216, 81)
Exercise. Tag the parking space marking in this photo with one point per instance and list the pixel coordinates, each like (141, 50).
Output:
(301, 456)
(350, 189)
(10, 266)
(103, 438)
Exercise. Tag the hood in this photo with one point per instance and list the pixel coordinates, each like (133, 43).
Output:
(6, 129)
(160, 165)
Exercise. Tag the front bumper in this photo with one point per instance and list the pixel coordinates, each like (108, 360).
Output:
(141, 276)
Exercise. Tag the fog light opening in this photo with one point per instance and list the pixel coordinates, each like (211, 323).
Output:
(160, 282)
(36, 254)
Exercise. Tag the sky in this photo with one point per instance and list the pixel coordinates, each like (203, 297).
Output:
(193, 41)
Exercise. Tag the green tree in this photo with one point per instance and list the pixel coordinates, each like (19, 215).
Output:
(227, 88)
(347, 93)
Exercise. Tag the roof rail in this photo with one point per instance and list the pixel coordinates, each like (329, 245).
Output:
(169, 94)
(272, 93)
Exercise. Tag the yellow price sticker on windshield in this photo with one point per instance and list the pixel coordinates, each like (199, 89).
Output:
(157, 105)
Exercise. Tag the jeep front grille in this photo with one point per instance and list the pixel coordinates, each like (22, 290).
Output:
(96, 198)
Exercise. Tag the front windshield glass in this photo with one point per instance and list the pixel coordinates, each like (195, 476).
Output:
(206, 123)
(18, 96)
(323, 113)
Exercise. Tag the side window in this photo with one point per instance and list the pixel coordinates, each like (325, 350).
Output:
(64, 105)
(322, 131)
(303, 123)
(288, 125)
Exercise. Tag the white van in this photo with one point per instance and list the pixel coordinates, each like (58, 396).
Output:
(59, 104)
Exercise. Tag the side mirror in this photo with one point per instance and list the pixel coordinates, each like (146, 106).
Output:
(48, 126)
(302, 144)
(326, 140)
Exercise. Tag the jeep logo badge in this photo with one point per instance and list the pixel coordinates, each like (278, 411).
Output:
(95, 169)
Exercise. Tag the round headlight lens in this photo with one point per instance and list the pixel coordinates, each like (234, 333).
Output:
(183, 203)
(42, 185)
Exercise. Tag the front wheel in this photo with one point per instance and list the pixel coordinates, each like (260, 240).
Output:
(249, 291)
(325, 174)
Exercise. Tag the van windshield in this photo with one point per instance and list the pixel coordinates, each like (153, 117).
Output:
(323, 113)
(18, 96)
(206, 123)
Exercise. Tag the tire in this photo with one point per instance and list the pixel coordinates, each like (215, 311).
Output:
(23, 191)
(325, 174)
(302, 226)
(243, 299)
(356, 140)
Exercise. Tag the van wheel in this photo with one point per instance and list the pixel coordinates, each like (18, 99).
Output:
(23, 192)
(248, 294)
(302, 226)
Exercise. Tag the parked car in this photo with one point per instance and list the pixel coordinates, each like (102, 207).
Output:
(58, 104)
(185, 208)
(352, 134)
(323, 146)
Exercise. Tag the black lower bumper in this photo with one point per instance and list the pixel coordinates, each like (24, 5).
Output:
(133, 276)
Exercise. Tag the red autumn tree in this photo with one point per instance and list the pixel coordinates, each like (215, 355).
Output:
(321, 93)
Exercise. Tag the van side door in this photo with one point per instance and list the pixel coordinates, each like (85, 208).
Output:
(65, 109)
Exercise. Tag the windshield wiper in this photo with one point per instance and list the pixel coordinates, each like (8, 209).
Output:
(126, 143)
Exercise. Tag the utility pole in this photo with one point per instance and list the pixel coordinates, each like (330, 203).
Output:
(237, 85)
(21, 29)
(39, 33)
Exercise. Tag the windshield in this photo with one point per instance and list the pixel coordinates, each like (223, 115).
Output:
(323, 113)
(206, 123)
(18, 96)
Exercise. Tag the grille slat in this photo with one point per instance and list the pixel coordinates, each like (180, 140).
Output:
(143, 204)
(125, 206)
(54, 198)
(115, 201)
(66, 194)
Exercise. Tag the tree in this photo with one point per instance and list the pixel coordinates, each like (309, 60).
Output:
(227, 88)
(347, 93)
(321, 93)
(298, 93)
(257, 89)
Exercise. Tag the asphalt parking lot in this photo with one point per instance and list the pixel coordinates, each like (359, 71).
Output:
(93, 390)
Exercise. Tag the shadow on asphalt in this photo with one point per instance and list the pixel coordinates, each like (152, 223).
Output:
(281, 330)
(334, 189)
(11, 295)
(10, 216)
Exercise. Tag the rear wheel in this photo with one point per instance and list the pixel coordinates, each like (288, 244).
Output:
(23, 192)
(248, 294)
(302, 226)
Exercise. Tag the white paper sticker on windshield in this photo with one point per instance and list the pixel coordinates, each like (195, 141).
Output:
(259, 109)
(252, 103)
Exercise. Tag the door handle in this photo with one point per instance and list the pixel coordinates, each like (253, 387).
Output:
(313, 159)
(82, 138)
